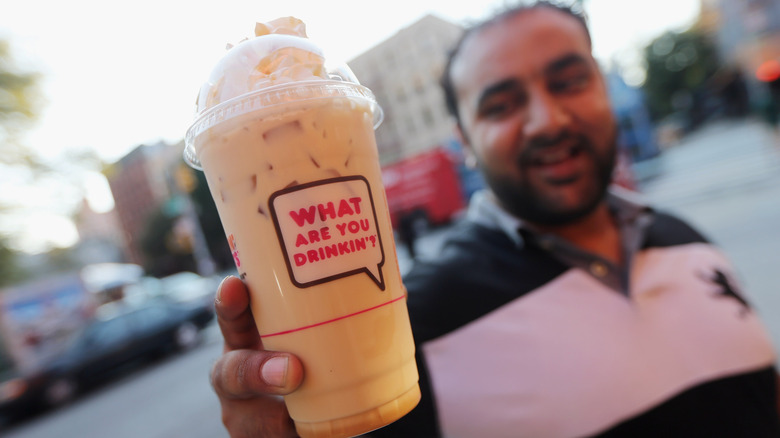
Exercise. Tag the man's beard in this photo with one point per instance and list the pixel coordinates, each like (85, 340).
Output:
(524, 200)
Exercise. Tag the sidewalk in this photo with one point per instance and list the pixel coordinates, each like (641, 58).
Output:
(723, 157)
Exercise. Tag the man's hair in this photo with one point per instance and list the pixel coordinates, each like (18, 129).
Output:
(450, 98)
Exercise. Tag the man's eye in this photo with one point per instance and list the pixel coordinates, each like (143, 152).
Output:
(571, 84)
(494, 110)
(497, 108)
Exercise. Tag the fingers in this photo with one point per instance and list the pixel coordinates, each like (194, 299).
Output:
(261, 417)
(245, 374)
(235, 316)
(248, 380)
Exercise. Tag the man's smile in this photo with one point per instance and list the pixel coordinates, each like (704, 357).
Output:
(558, 164)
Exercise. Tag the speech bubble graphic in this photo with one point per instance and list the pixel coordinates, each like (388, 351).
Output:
(327, 230)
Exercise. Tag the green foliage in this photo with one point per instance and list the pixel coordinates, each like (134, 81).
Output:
(10, 272)
(163, 253)
(678, 67)
(61, 260)
(19, 105)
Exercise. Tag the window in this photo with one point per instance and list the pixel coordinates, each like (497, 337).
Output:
(149, 318)
(400, 94)
(419, 84)
(108, 333)
(427, 116)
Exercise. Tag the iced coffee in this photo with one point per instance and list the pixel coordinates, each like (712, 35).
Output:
(288, 149)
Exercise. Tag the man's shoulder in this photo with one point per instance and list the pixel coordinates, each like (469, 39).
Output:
(465, 236)
(478, 270)
(467, 248)
(667, 229)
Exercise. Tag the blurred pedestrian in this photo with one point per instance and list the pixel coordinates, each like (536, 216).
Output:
(407, 232)
(558, 307)
(729, 84)
(774, 97)
(769, 74)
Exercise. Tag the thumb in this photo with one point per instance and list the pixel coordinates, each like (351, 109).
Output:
(244, 374)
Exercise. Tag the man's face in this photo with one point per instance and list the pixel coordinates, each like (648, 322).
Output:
(535, 113)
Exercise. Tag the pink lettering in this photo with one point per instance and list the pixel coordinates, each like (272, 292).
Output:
(360, 243)
(303, 216)
(325, 211)
(345, 209)
(331, 251)
(356, 202)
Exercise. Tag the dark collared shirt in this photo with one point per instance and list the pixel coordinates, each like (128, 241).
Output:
(630, 213)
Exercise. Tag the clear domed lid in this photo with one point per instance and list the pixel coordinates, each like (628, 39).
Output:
(279, 65)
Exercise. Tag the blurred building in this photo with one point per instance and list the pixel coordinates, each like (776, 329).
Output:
(100, 236)
(139, 185)
(403, 72)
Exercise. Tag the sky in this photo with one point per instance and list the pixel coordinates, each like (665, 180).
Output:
(119, 74)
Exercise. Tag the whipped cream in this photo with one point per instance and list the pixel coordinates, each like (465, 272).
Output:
(280, 53)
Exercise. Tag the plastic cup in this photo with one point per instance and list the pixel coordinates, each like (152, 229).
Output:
(293, 169)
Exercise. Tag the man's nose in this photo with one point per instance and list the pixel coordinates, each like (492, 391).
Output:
(546, 117)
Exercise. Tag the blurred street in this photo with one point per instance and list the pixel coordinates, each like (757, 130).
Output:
(170, 399)
(724, 178)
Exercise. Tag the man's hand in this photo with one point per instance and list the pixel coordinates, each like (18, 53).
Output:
(249, 380)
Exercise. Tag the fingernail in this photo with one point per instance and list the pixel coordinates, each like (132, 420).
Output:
(274, 371)
(219, 288)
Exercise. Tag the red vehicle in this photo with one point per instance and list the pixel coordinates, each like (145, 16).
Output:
(426, 186)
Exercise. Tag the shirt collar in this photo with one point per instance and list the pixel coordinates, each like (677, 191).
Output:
(484, 210)
(627, 206)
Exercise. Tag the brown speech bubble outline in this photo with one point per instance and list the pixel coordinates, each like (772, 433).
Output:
(379, 281)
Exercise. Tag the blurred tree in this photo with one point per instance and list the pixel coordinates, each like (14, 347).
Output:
(167, 241)
(19, 105)
(678, 67)
(10, 271)
(61, 260)
(164, 252)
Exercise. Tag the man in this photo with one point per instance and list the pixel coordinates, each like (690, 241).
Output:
(407, 232)
(557, 308)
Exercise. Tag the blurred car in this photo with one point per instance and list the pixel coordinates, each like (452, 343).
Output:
(16, 394)
(185, 288)
(116, 340)
(189, 288)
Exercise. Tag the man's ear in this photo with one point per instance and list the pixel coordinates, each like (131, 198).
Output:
(468, 151)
